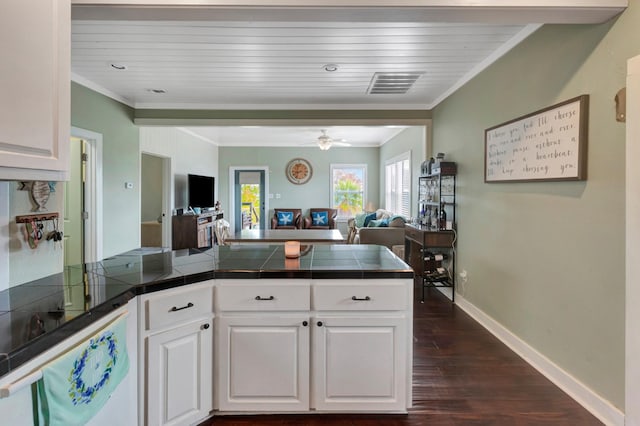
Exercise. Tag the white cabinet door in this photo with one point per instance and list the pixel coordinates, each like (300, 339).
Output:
(359, 363)
(266, 363)
(179, 374)
(35, 87)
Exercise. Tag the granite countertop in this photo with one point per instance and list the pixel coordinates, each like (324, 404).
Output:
(36, 315)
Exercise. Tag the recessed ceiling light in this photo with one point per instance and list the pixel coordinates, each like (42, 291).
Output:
(156, 90)
(330, 67)
(119, 67)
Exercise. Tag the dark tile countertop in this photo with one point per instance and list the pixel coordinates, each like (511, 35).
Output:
(35, 316)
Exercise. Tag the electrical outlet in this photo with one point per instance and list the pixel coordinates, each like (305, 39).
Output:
(277, 196)
(464, 276)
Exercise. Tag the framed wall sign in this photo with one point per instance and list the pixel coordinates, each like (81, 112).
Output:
(549, 144)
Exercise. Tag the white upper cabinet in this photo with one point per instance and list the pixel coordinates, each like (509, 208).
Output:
(35, 89)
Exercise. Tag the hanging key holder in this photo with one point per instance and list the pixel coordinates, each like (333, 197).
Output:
(56, 234)
(34, 228)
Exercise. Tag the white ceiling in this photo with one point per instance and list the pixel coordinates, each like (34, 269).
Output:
(298, 136)
(274, 58)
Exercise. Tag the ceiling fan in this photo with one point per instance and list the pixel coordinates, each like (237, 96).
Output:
(325, 141)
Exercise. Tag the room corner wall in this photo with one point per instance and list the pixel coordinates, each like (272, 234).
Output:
(121, 163)
(546, 259)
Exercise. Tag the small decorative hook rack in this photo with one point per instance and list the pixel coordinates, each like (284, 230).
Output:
(34, 229)
(38, 217)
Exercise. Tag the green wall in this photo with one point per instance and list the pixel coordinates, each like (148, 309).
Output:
(546, 260)
(121, 163)
(315, 193)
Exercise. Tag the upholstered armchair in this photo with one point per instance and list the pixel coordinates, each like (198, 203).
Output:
(286, 219)
(321, 218)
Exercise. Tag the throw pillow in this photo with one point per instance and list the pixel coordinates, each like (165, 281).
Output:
(368, 218)
(378, 223)
(320, 219)
(397, 221)
(285, 218)
(360, 219)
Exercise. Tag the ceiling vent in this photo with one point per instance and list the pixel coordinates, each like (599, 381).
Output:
(392, 83)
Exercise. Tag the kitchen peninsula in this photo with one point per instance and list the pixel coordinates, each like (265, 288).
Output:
(236, 328)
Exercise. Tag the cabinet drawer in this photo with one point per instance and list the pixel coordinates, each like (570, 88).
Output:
(413, 233)
(263, 295)
(360, 295)
(175, 306)
(429, 238)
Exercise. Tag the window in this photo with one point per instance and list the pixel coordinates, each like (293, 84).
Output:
(348, 187)
(397, 183)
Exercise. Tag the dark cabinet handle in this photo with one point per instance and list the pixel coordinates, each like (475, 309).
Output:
(205, 326)
(188, 305)
(305, 323)
(265, 298)
(363, 299)
(319, 323)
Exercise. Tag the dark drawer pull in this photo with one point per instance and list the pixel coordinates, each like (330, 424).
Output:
(363, 299)
(189, 305)
(265, 298)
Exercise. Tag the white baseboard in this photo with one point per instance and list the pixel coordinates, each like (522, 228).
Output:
(595, 404)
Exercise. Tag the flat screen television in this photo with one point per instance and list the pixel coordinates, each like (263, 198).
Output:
(201, 191)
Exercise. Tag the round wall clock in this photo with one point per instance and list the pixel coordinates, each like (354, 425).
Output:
(298, 171)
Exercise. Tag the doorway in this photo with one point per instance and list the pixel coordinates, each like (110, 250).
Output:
(74, 210)
(155, 200)
(82, 235)
(249, 199)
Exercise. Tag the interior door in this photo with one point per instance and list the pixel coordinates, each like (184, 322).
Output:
(249, 208)
(74, 206)
(73, 235)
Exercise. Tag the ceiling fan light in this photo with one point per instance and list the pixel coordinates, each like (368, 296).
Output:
(324, 146)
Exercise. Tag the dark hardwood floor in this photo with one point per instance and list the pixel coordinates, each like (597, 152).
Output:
(462, 375)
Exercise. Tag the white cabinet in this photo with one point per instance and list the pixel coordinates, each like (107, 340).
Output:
(266, 363)
(177, 336)
(263, 345)
(359, 364)
(279, 345)
(328, 345)
(179, 366)
(35, 86)
(361, 345)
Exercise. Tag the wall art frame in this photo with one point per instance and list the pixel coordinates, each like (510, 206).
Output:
(546, 145)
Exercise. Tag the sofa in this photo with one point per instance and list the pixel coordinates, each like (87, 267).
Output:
(381, 227)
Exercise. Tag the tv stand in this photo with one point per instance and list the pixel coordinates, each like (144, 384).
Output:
(194, 231)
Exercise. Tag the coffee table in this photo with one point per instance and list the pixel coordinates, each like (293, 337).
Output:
(279, 236)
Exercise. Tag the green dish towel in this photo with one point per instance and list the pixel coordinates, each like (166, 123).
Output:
(76, 386)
